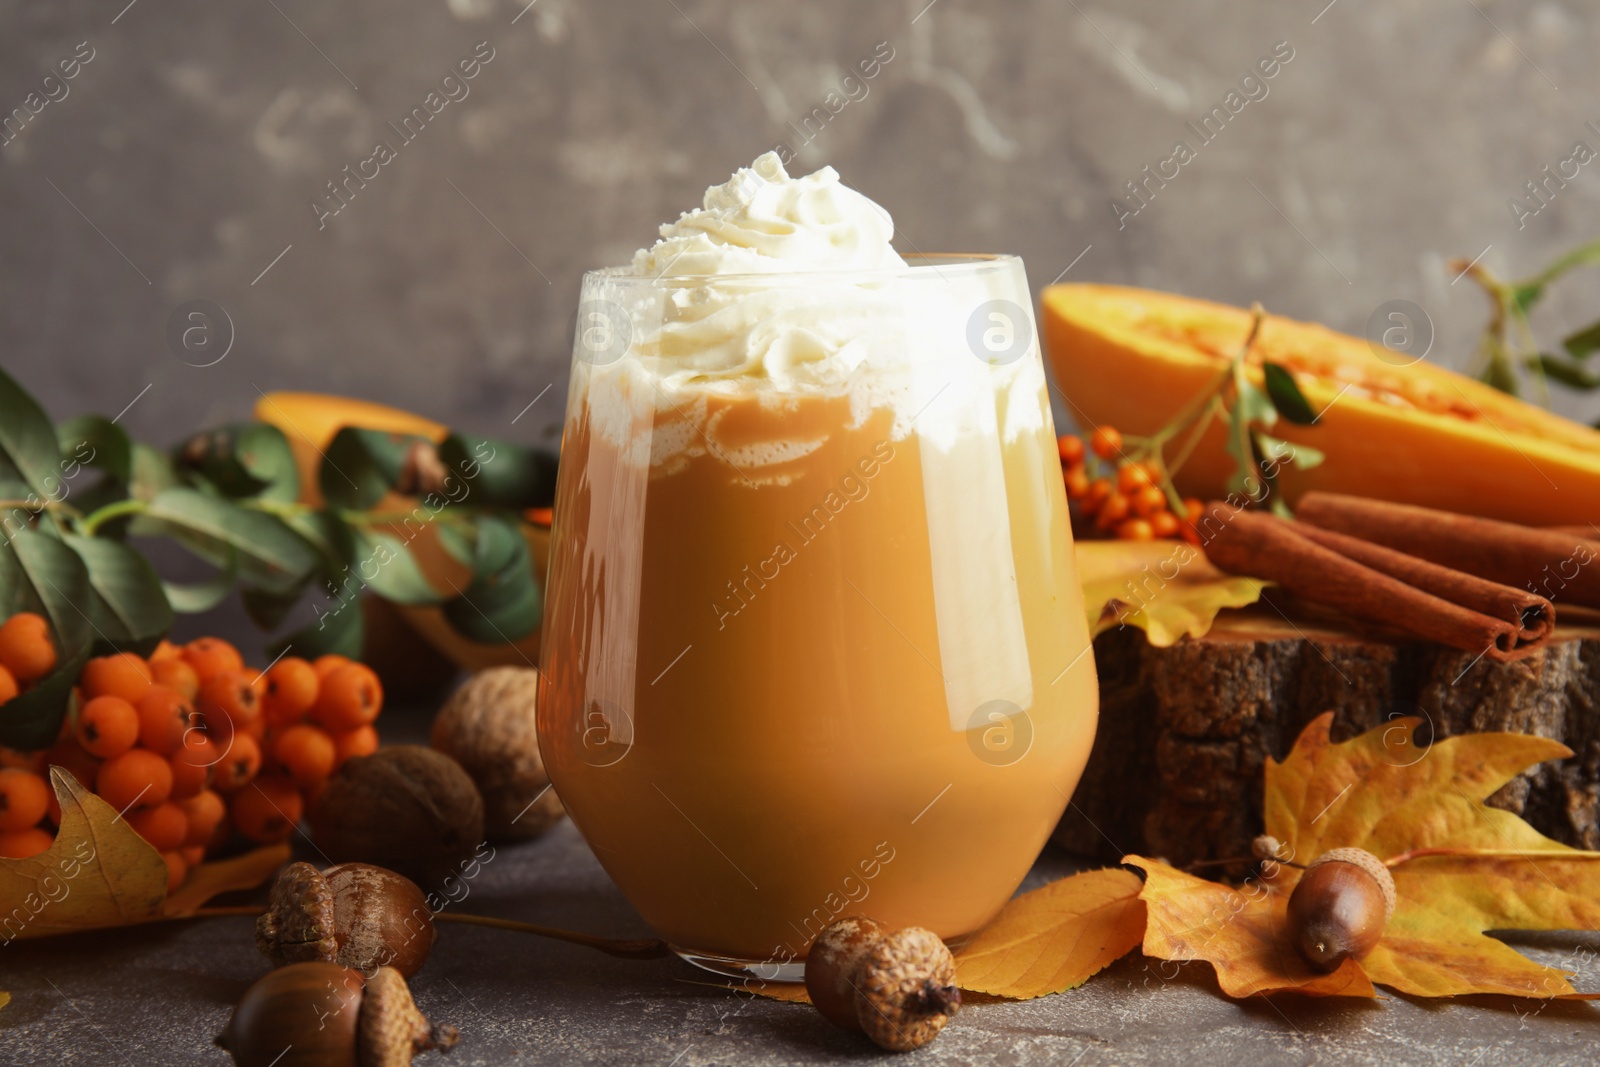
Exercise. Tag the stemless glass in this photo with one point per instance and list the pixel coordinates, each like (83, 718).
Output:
(813, 641)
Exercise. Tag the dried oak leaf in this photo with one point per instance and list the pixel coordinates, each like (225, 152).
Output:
(1460, 867)
(101, 873)
(1167, 588)
(1055, 937)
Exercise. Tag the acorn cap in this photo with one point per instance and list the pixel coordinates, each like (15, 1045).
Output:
(298, 925)
(1372, 865)
(906, 990)
(391, 1030)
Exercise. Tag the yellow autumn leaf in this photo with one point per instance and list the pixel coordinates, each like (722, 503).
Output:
(1167, 588)
(1055, 937)
(1240, 932)
(1472, 868)
(100, 873)
(5, 998)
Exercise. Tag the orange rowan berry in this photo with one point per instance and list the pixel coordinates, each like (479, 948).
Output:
(203, 813)
(1099, 491)
(193, 855)
(8, 684)
(1071, 449)
(230, 703)
(163, 652)
(107, 726)
(1149, 501)
(177, 870)
(1112, 512)
(292, 686)
(1193, 508)
(1077, 480)
(1106, 441)
(24, 799)
(1134, 530)
(327, 664)
(1132, 477)
(21, 844)
(138, 777)
(165, 826)
(1164, 524)
(306, 752)
(362, 741)
(176, 674)
(239, 764)
(121, 674)
(25, 647)
(212, 655)
(164, 718)
(189, 775)
(269, 810)
(70, 756)
(350, 697)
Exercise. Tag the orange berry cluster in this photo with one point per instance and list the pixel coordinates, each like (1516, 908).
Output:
(191, 745)
(1128, 500)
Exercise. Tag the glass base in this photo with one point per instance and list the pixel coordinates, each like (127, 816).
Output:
(733, 967)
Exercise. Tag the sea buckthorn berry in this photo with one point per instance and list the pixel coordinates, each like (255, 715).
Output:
(8, 684)
(239, 764)
(1071, 449)
(202, 813)
(176, 674)
(24, 799)
(1135, 530)
(230, 703)
(1164, 524)
(107, 726)
(291, 690)
(1132, 477)
(121, 674)
(25, 647)
(137, 778)
(268, 810)
(1112, 512)
(350, 697)
(22, 844)
(165, 826)
(1149, 501)
(362, 741)
(1099, 491)
(212, 655)
(1106, 441)
(1077, 481)
(306, 752)
(177, 870)
(327, 664)
(164, 718)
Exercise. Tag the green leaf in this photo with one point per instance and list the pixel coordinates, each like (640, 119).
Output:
(192, 598)
(360, 466)
(127, 607)
(1568, 373)
(269, 610)
(248, 459)
(385, 563)
(338, 630)
(39, 573)
(28, 450)
(502, 603)
(270, 555)
(457, 541)
(1499, 373)
(96, 441)
(1286, 395)
(1580, 344)
(499, 473)
(152, 473)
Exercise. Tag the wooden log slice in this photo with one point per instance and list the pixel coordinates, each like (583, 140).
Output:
(1185, 731)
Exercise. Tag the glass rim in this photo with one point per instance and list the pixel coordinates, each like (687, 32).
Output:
(918, 265)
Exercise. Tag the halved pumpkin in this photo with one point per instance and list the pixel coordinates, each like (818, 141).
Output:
(1390, 428)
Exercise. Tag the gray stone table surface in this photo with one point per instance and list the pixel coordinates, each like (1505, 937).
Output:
(159, 994)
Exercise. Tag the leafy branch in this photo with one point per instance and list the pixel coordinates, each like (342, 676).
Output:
(233, 497)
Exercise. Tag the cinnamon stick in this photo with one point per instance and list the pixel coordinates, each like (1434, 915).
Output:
(1256, 544)
(1556, 565)
(1533, 615)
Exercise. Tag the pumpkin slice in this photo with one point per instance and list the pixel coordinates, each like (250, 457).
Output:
(1391, 428)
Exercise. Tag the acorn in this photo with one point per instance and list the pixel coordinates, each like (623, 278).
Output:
(353, 914)
(324, 1015)
(901, 983)
(1339, 907)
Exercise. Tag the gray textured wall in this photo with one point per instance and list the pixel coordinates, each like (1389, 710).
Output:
(185, 154)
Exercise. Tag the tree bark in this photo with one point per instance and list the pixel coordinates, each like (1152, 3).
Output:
(1185, 731)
